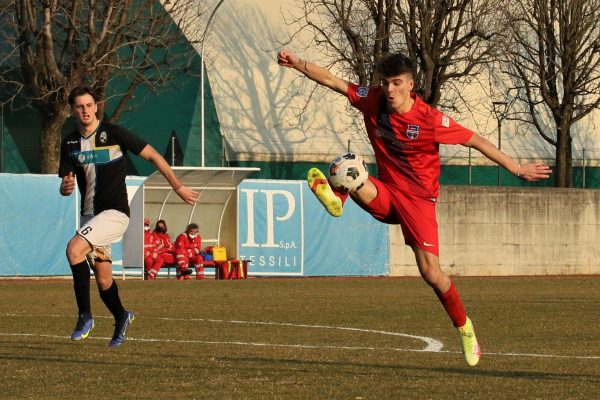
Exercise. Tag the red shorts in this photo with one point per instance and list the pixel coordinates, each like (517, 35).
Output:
(416, 215)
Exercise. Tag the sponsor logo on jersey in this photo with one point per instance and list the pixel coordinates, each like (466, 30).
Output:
(391, 141)
(93, 157)
(362, 91)
(446, 121)
(412, 131)
(385, 131)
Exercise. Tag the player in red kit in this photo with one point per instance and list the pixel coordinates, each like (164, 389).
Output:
(405, 134)
(188, 246)
(152, 263)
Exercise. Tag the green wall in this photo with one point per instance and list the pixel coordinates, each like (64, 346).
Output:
(178, 110)
(152, 117)
(450, 174)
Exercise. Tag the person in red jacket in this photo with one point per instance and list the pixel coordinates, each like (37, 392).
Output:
(164, 245)
(152, 260)
(188, 246)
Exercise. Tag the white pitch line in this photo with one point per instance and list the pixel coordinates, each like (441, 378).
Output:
(213, 342)
(300, 346)
(433, 346)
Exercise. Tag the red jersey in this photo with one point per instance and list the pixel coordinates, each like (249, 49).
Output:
(406, 146)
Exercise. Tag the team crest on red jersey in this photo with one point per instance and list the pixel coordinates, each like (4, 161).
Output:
(412, 131)
(362, 91)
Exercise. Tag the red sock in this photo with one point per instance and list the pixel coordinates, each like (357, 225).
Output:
(340, 195)
(453, 305)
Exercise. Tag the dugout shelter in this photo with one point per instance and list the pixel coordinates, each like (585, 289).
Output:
(215, 212)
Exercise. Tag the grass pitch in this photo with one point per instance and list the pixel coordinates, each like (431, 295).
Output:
(304, 338)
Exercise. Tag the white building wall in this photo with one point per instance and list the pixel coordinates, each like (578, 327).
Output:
(270, 113)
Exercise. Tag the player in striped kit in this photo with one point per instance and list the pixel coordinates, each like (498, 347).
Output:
(93, 158)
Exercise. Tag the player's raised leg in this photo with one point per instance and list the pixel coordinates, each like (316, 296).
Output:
(347, 174)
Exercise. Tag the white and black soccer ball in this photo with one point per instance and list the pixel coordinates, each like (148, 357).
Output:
(348, 172)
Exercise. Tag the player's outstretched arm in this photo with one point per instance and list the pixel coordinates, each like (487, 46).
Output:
(528, 172)
(186, 194)
(318, 74)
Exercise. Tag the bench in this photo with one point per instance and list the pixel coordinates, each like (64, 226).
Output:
(229, 269)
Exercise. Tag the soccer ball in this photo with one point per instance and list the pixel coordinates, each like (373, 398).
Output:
(348, 173)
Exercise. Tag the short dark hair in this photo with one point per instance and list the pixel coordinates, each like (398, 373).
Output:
(191, 226)
(80, 91)
(394, 64)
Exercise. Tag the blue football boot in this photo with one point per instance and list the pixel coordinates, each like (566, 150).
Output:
(83, 327)
(120, 328)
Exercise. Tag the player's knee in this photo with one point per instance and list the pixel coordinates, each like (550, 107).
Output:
(75, 252)
(429, 268)
(104, 282)
(431, 276)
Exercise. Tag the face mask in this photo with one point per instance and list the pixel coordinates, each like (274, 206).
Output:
(192, 236)
(161, 229)
(146, 228)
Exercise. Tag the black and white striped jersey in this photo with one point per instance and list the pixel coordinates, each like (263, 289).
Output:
(100, 166)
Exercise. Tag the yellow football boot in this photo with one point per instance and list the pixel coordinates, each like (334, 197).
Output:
(470, 346)
(320, 187)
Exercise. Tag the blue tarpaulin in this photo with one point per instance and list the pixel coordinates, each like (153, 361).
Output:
(36, 223)
(282, 228)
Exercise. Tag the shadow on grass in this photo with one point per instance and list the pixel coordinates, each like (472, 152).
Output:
(470, 371)
(96, 352)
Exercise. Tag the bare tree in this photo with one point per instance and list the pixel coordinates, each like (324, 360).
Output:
(351, 35)
(450, 40)
(53, 46)
(553, 58)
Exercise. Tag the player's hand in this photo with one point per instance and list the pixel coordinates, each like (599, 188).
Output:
(286, 58)
(187, 194)
(67, 186)
(534, 172)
